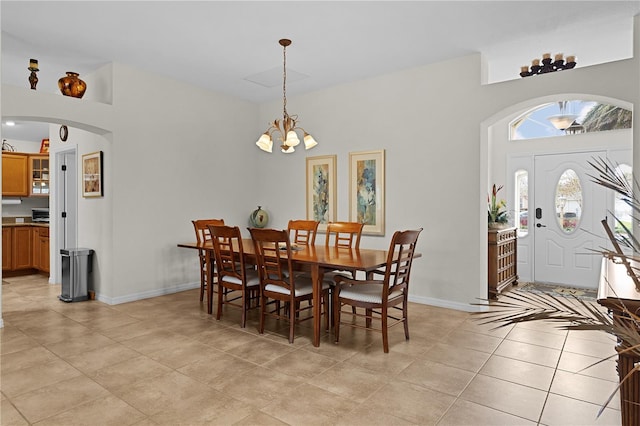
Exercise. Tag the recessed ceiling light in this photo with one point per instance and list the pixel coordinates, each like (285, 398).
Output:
(10, 123)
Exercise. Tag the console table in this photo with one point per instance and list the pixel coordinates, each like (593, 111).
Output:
(503, 259)
(616, 289)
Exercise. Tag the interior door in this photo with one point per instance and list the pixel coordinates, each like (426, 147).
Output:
(566, 220)
(66, 205)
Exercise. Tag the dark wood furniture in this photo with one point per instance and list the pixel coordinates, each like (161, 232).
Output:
(304, 231)
(382, 299)
(278, 282)
(618, 293)
(503, 259)
(201, 227)
(233, 274)
(318, 259)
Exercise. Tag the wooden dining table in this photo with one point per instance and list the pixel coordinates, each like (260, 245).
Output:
(315, 258)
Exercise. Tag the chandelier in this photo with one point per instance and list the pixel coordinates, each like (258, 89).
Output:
(563, 121)
(285, 128)
(558, 64)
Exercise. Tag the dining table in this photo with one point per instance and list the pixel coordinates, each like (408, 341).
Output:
(315, 258)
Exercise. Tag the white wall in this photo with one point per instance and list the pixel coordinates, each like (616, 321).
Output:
(178, 153)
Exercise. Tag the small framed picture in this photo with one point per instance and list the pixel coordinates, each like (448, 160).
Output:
(92, 179)
(321, 190)
(366, 190)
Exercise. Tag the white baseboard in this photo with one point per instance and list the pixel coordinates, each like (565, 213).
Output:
(147, 294)
(465, 307)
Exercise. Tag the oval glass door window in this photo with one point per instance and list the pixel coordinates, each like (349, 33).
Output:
(568, 201)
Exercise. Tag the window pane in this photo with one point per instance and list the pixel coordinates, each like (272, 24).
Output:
(522, 202)
(569, 201)
(622, 210)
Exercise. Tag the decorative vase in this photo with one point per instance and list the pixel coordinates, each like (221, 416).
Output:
(71, 85)
(259, 218)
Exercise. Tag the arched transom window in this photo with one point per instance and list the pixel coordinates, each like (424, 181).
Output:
(567, 118)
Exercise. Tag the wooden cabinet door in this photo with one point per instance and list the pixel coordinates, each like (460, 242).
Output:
(44, 253)
(35, 246)
(6, 249)
(39, 175)
(14, 175)
(21, 247)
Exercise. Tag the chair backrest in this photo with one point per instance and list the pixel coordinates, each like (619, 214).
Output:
(202, 230)
(273, 256)
(344, 234)
(228, 251)
(399, 260)
(304, 231)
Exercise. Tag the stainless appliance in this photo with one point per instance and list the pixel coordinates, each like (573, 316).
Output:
(40, 215)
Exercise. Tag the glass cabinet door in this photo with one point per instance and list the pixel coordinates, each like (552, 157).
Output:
(39, 175)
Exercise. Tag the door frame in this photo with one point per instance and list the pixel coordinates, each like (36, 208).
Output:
(66, 189)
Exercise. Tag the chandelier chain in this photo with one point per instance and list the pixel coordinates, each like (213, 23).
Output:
(284, 82)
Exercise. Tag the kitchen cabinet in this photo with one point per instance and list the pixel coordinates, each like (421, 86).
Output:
(40, 244)
(25, 249)
(15, 179)
(21, 247)
(39, 175)
(7, 238)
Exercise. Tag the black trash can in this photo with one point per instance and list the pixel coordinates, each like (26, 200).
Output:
(76, 270)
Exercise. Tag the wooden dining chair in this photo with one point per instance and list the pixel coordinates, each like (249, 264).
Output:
(233, 274)
(381, 299)
(303, 231)
(202, 237)
(279, 284)
(343, 234)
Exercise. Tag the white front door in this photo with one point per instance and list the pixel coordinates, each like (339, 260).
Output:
(566, 220)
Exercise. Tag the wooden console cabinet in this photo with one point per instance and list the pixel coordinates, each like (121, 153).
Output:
(618, 293)
(503, 259)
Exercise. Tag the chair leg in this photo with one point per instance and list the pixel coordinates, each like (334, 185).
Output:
(263, 303)
(385, 329)
(219, 304)
(245, 301)
(293, 313)
(369, 314)
(336, 313)
(405, 316)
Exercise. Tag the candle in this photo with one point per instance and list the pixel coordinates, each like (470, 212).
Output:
(535, 62)
(559, 57)
(571, 58)
(546, 56)
(524, 68)
(33, 63)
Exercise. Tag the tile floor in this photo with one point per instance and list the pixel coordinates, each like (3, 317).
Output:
(165, 361)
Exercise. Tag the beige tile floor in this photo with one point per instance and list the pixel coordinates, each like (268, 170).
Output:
(165, 361)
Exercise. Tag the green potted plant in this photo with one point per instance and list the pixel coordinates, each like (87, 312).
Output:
(497, 212)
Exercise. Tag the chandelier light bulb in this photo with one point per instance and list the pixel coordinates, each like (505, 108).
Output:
(309, 141)
(292, 139)
(265, 143)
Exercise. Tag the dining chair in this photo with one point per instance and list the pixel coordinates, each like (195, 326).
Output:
(304, 231)
(345, 235)
(279, 284)
(381, 299)
(233, 274)
(202, 237)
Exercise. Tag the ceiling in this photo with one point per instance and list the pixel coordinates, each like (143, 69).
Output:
(218, 45)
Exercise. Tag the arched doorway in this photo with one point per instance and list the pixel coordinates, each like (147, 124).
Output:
(503, 158)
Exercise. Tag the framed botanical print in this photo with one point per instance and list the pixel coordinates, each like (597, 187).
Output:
(366, 190)
(321, 190)
(92, 179)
